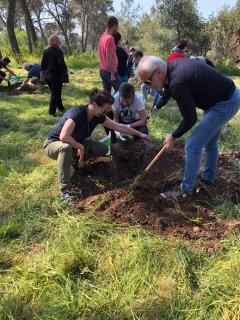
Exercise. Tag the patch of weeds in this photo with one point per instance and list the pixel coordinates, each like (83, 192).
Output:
(187, 266)
(10, 230)
(16, 306)
(78, 266)
(196, 220)
(226, 208)
(6, 262)
(237, 169)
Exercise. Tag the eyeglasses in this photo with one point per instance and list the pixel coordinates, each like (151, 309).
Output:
(149, 80)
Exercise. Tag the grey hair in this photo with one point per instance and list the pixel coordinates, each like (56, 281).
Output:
(27, 66)
(54, 39)
(149, 64)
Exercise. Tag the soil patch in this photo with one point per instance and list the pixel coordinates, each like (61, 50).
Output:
(108, 182)
(12, 89)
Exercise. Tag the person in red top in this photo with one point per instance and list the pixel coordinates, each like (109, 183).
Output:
(178, 51)
(108, 57)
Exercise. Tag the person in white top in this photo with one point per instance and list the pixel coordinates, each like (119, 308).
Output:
(129, 109)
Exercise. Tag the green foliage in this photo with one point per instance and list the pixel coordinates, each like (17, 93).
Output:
(227, 209)
(225, 34)
(82, 60)
(228, 68)
(129, 17)
(170, 21)
(22, 42)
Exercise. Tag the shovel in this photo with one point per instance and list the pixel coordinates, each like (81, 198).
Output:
(147, 169)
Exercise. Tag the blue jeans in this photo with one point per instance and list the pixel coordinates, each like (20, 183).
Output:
(146, 91)
(107, 83)
(205, 136)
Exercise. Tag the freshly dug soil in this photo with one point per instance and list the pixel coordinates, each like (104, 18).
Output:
(107, 187)
(12, 89)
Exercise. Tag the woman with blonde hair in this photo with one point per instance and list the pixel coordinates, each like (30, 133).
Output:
(54, 72)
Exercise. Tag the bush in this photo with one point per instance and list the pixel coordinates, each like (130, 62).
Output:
(228, 69)
(82, 60)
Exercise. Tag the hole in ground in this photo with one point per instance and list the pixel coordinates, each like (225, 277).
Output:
(111, 179)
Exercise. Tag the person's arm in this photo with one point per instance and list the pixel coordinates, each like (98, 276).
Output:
(126, 49)
(43, 66)
(112, 125)
(164, 99)
(109, 52)
(116, 115)
(187, 109)
(10, 71)
(141, 122)
(65, 136)
(110, 66)
(43, 63)
(24, 83)
(140, 108)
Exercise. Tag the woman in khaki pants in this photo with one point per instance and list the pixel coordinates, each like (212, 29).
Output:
(69, 137)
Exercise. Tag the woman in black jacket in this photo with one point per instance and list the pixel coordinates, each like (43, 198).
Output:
(54, 72)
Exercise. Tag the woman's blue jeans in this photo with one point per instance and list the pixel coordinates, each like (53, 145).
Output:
(205, 137)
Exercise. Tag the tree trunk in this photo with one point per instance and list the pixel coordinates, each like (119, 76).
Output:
(10, 27)
(40, 27)
(82, 36)
(30, 45)
(29, 23)
(86, 34)
(66, 38)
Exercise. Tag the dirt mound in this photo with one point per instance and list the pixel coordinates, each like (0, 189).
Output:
(106, 184)
(12, 89)
(107, 173)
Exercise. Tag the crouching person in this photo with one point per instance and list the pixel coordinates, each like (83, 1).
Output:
(129, 109)
(70, 137)
(4, 64)
(33, 75)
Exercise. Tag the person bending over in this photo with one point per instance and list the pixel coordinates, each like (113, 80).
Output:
(194, 85)
(33, 75)
(4, 65)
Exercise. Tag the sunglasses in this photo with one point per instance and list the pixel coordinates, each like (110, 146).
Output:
(149, 80)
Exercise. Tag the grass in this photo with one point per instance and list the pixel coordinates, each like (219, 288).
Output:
(57, 263)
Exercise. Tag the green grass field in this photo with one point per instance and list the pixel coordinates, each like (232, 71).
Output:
(58, 263)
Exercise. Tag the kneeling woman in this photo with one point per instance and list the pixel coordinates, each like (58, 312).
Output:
(69, 136)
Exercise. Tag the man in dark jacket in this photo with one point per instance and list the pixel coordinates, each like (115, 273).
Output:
(194, 85)
(54, 72)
